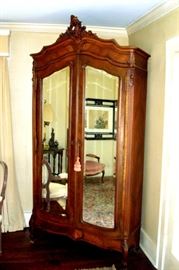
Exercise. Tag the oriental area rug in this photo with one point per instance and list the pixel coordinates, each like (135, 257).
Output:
(98, 202)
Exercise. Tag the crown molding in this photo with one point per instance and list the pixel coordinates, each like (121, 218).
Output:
(32, 27)
(60, 28)
(114, 32)
(152, 16)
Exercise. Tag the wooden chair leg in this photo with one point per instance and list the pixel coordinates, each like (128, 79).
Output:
(102, 177)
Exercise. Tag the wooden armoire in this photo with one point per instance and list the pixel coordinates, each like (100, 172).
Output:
(95, 90)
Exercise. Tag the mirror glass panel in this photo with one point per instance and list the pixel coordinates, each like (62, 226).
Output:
(101, 95)
(55, 129)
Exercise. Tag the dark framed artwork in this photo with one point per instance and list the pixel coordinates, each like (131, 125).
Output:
(100, 119)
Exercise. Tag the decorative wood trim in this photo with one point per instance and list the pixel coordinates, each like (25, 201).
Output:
(152, 16)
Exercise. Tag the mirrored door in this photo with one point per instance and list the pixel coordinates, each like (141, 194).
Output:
(55, 146)
(99, 183)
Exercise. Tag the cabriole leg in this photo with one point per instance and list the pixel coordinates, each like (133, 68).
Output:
(125, 254)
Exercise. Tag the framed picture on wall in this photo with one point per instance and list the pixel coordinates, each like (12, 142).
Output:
(100, 119)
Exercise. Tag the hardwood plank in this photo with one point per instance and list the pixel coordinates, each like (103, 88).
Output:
(59, 252)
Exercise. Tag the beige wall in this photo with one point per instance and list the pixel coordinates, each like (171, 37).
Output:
(153, 39)
(22, 44)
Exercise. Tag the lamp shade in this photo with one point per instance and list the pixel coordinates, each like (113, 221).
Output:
(48, 113)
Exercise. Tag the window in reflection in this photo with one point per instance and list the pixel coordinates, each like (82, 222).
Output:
(100, 152)
(55, 127)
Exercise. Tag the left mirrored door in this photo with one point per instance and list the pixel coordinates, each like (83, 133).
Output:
(55, 112)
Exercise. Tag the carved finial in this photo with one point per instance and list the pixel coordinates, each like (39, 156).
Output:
(76, 29)
(75, 26)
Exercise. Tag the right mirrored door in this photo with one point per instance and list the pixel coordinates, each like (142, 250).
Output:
(99, 181)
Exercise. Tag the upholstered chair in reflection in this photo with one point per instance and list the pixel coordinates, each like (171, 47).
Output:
(93, 166)
(3, 184)
(52, 187)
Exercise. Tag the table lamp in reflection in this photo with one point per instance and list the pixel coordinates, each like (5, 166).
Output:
(47, 118)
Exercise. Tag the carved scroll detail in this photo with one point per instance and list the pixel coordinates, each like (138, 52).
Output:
(131, 78)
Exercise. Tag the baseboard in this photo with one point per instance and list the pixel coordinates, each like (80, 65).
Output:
(148, 247)
(27, 216)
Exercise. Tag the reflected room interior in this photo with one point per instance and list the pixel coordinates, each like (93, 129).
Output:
(55, 128)
(101, 95)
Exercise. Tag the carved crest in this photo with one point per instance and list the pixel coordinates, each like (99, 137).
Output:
(75, 26)
(76, 29)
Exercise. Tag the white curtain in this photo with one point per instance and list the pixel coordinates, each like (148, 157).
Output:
(169, 224)
(13, 218)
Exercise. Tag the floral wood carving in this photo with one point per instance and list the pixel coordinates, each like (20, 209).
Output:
(131, 78)
(76, 29)
(75, 26)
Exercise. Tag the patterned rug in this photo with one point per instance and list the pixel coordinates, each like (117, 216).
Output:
(98, 203)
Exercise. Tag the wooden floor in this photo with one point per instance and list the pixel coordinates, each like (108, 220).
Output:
(57, 252)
